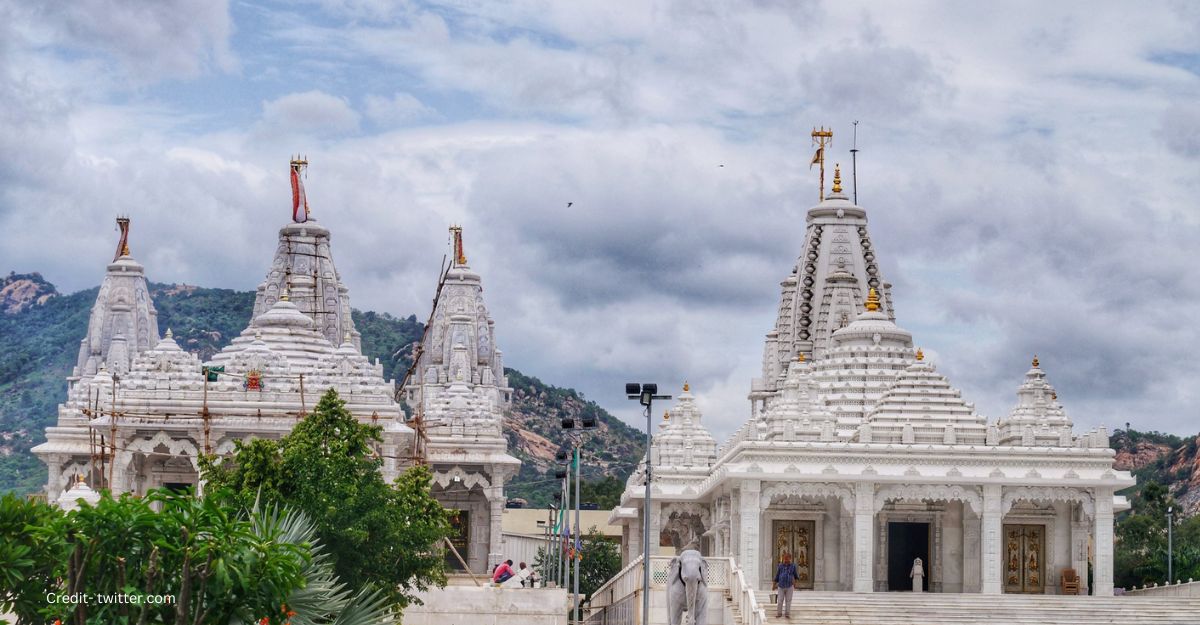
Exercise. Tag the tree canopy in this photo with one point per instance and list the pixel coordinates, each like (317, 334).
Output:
(387, 536)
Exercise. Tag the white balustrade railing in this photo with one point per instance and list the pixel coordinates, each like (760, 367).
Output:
(618, 601)
(1178, 589)
(742, 595)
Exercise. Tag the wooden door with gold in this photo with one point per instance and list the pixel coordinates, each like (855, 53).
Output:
(794, 538)
(1024, 558)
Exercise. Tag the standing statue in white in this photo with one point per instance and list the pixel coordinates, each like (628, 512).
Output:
(918, 575)
(686, 589)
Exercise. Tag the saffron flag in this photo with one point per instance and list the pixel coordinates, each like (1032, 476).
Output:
(299, 201)
(817, 158)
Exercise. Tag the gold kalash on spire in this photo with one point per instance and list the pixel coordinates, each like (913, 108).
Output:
(822, 138)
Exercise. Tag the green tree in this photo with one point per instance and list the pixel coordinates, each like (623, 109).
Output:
(599, 561)
(605, 493)
(216, 565)
(378, 535)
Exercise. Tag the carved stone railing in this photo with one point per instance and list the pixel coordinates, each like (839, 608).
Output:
(742, 595)
(618, 601)
(1178, 589)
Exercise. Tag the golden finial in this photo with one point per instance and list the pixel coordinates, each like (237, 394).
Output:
(170, 334)
(920, 355)
(283, 296)
(799, 356)
(666, 415)
(872, 304)
(1054, 396)
(686, 387)
(837, 177)
(79, 479)
(1036, 364)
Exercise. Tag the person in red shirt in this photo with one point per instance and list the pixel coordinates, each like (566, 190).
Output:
(503, 572)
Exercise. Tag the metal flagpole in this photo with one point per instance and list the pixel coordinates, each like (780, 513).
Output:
(578, 535)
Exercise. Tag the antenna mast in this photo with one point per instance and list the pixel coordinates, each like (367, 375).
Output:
(854, 162)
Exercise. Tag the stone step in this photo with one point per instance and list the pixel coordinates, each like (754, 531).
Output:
(838, 608)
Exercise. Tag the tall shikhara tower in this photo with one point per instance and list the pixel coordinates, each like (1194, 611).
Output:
(459, 393)
(826, 289)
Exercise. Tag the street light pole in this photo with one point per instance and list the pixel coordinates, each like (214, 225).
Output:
(646, 394)
(1170, 546)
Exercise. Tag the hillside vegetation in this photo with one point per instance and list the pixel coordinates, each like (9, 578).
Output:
(41, 330)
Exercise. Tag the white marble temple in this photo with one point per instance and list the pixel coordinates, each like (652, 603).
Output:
(140, 411)
(858, 455)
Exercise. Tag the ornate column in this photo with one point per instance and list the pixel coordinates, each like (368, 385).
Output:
(54, 484)
(1102, 573)
(1079, 545)
(751, 515)
(845, 551)
(634, 548)
(655, 517)
(864, 538)
(495, 497)
(971, 552)
(991, 535)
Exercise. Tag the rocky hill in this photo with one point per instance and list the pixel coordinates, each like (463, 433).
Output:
(1164, 459)
(19, 291)
(40, 331)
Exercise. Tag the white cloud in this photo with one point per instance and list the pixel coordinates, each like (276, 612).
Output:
(400, 109)
(314, 113)
(1030, 179)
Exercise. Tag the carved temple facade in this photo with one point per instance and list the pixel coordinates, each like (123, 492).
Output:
(141, 410)
(858, 456)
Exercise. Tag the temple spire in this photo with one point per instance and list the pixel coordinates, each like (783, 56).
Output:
(123, 243)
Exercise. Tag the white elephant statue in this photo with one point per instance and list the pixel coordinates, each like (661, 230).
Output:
(686, 590)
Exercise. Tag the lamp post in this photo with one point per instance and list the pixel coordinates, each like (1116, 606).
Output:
(564, 474)
(645, 394)
(587, 422)
(1170, 546)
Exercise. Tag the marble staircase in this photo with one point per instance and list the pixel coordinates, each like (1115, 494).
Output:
(844, 608)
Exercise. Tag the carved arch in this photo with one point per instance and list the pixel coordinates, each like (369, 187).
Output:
(1047, 493)
(808, 489)
(469, 480)
(175, 446)
(930, 492)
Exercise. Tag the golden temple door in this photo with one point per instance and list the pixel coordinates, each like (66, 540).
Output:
(1024, 558)
(795, 538)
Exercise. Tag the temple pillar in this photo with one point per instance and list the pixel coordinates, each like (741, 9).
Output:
(971, 550)
(751, 515)
(495, 498)
(54, 463)
(845, 551)
(990, 534)
(635, 540)
(1079, 546)
(864, 538)
(1102, 573)
(655, 517)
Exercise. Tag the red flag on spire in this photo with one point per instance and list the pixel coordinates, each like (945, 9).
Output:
(299, 201)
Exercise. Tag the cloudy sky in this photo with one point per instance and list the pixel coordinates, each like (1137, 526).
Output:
(1031, 172)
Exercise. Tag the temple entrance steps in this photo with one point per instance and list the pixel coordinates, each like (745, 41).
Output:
(906, 608)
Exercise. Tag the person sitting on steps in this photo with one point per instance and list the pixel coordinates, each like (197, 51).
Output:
(503, 572)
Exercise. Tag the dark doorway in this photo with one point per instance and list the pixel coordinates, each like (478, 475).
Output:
(906, 542)
(178, 487)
